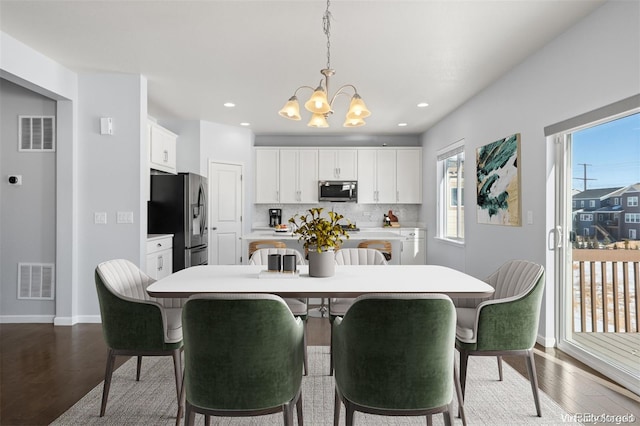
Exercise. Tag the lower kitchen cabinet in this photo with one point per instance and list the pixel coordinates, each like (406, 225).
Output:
(414, 246)
(159, 256)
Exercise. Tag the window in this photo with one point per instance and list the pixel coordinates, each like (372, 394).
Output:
(582, 203)
(592, 203)
(586, 218)
(616, 201)
(450, 169)
(632, 201)
(632, 218)
(574, 204)
(632, 234)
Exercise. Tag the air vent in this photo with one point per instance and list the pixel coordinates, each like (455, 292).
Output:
(36, 133)
(36, 281)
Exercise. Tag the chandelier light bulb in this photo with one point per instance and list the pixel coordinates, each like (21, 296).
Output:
(291, 109)
(318, 103)
(318, 120)
(357, 108)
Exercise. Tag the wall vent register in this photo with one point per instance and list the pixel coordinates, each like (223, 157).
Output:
(36, 281)
(36, 133)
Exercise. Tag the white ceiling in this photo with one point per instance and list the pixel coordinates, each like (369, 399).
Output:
(198, 55)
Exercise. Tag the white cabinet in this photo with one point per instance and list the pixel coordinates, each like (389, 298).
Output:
(376, 176)
(414, 246)
(162, 148)
(298, 176)
(286, 176)
(267, 175)
(390, 176)
(337, 164)
(159, 256)
(409, 176)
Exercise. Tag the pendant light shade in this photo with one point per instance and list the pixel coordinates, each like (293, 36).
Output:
(318, 120)
(353, 122)
(318, 103)
(357, 108)
(291, 109)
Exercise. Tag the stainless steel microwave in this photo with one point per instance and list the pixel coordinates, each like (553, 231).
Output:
(333, 190)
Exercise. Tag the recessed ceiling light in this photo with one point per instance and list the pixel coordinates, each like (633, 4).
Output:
(423, 105)
(245, 124)
(229, 104)
(402, 124)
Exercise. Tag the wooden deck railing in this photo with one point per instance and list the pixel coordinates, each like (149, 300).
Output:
(606, 290)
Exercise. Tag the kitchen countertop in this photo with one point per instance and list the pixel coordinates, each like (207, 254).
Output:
(152, 237)
(363, 234)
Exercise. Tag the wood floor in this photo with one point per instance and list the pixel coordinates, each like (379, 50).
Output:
(44, 370)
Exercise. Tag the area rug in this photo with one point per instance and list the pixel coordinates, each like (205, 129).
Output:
(152, 400)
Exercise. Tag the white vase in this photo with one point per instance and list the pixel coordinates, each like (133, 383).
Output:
(322, 264)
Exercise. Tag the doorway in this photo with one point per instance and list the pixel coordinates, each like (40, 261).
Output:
(597, 254)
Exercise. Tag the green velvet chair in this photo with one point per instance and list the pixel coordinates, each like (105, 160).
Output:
(352, 257)
(299, 307)
(394, 355)
(134, 323)
(243, 356)
(506, 323)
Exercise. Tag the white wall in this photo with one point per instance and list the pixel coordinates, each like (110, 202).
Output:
(595, 63)
(110, 170)
(28, 211)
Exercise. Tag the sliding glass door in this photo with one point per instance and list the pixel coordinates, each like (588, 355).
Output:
(597, 255)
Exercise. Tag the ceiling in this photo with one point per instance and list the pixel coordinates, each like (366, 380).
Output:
(197, 55)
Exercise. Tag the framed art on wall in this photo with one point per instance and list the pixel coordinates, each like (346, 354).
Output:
(498, 182)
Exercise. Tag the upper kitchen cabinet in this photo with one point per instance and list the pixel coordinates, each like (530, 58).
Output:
(337, 164)
(267, 175)
(390, 176)
(376, 176)
(409, 176)
(298, 176)
(286, 176)
(162, 148)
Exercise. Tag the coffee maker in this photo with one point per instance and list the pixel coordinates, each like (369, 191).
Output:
(275, 217)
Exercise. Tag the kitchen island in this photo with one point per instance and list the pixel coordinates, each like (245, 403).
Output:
(355, 237)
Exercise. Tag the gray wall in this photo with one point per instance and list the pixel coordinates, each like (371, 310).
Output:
(112, 170)
(595, 63)
(27, 212)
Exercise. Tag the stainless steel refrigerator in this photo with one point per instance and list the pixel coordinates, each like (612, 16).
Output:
(178, 206)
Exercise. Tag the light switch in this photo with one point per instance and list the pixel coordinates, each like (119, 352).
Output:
(124, 217)
(100, 218)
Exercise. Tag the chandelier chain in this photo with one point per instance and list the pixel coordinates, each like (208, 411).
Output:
(326, 26)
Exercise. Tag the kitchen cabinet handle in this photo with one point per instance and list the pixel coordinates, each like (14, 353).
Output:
(166, 156)
(397, 196)
(160, 262)
(159, 245)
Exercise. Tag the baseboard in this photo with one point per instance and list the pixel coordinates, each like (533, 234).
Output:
(546, 342)
(27, 319)
(80, 319)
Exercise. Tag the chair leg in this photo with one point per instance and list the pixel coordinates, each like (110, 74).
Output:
(111, 358)
(533, 378)
(181, 402)
(190, 416)
(330, 348)
(336, 409)
(304, 342)
(287, 414)
(138, 368)
(299, 409)
(177, 366)
(429, 420)
(207, 420)
(456, 382)
(448, 415)
(500, 367)
(464, 360)
(349, 412)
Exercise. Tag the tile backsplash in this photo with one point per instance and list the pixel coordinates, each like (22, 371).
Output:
(361, 214)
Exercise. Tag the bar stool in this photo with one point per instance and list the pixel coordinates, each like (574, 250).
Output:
(382, 245)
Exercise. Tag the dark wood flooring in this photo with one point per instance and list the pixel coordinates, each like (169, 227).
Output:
(44, 370)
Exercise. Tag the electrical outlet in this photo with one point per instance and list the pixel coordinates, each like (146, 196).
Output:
(529, 217)
(100, 218)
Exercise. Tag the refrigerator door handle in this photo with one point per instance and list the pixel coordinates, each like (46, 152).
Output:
(202, 206)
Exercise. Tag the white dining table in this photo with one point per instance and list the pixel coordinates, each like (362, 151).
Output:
(348, 281)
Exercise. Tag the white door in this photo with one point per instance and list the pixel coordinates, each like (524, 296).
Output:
(225, 223)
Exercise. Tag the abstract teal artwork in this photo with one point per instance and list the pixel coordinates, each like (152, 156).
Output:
(498, 182)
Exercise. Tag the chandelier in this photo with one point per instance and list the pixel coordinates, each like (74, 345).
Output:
(319, 104)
